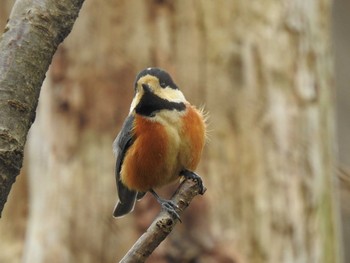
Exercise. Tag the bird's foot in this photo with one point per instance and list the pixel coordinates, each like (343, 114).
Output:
(195, 177)
(167, 205)
(170, 207)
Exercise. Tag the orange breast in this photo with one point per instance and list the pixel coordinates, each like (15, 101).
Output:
(193, 134)
(162, 148)
(142, 167)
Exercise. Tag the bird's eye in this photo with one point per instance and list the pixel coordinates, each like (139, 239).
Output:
(163, 84)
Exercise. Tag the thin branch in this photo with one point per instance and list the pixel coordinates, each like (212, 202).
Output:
(162, 225)
(31, 37)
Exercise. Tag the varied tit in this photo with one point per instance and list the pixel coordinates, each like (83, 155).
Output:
(161, 139)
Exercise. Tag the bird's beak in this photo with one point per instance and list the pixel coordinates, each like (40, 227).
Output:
(146, 88)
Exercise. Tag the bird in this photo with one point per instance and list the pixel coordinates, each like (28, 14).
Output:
(161, 140)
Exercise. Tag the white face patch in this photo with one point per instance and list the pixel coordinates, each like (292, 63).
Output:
(170, 94)
(136, 99)
(173, 95)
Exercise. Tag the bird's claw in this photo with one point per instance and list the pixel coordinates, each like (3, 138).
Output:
(167, 205)
(195, 177)
(171, 207)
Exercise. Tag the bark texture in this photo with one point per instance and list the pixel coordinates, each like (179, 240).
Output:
(14, 219)
(30, 39)
(341, 36)
(276, 111)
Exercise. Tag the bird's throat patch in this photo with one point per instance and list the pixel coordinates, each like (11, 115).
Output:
(150, 103)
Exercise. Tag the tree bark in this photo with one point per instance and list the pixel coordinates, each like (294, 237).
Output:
(341, 43)
(31, 37)
(271, 93)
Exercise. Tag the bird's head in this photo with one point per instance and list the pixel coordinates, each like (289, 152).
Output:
(155, 91)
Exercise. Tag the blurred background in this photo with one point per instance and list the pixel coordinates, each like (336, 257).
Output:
(262, 69)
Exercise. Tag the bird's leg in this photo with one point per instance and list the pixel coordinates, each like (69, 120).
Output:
(195, 177)
(140, 195)
(168, 205)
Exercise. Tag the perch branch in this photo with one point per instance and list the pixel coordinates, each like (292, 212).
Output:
(162, 225)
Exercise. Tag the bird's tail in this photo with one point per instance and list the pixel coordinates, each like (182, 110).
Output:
(125, 207)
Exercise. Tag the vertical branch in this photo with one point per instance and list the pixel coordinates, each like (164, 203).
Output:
(31, 37)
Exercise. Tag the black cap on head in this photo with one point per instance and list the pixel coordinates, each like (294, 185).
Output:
(164, 78)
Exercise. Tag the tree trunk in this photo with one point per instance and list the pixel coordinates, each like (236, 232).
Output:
(29, 41)
(270, 91)
(263, 71)
(341, 36)
(14, 219)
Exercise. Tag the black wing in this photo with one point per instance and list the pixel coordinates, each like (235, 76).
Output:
(121, 144)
